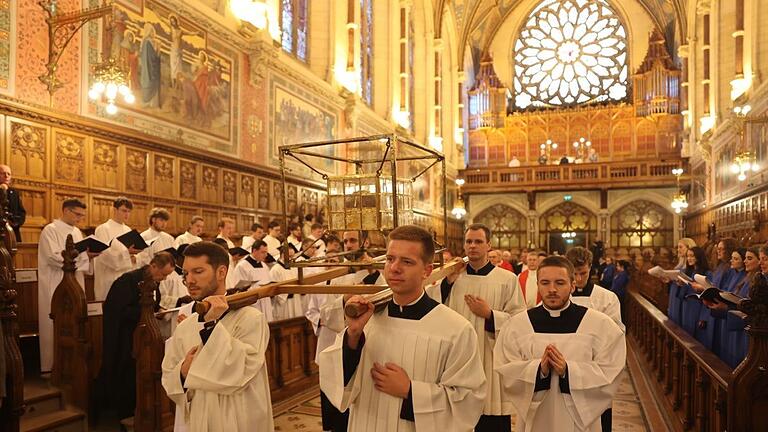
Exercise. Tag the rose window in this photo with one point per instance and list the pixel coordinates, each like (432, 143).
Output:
(570, 52)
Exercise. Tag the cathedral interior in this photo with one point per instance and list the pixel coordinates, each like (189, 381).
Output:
(628, 124)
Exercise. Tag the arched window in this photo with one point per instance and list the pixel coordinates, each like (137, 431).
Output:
(366, 50)
(570, 52)
(508, 226)
(294, 17)
(642, 224)
(567, 225)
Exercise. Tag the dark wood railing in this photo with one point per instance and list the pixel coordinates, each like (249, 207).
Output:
(12, 377)
(691, 382)
(637, 174)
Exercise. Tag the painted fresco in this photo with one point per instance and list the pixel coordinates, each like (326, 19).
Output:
(179, 73)
(6, 45)
(299, 117)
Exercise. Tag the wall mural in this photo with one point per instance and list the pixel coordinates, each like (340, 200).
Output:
(181, 75)
(7, 43)
(297, 116)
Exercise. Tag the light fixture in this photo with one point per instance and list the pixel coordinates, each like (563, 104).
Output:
(569, 234)
(62, 27)
(109, 82)
(459, 209)
(745, 160)
(547, 148)
(582, 146)
(253, 12)
(679, 200)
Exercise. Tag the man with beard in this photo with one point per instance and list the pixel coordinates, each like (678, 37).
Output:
(214, 367)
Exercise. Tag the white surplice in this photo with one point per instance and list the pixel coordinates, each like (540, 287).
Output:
(186, 238)
(248, 269)
(247, 242)
(602, 300)
(226, 388)
(171, 289)
(160, 241)
(595, 355)
(439, 354)
(230, 243)
(113, 262)
(273, 245)
(499, 288)
(49, 274)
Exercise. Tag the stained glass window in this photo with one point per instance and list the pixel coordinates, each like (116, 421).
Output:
(294, 15)
(366, 50)
(570, 52)
(508, 226)
(640, 224)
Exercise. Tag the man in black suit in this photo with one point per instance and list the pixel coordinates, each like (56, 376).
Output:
(16, 209)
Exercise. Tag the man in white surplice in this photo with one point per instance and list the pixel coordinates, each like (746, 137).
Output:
(560, 361)
(253, 268)
(49, 270)
(486, 296)
(155, 236)
(411, 366)
(272, 239)
(117, 259)
(214, 367)
(226, 230)
(192, 235)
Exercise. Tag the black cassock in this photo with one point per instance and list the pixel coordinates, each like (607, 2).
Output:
(117, 378)
(17, 212)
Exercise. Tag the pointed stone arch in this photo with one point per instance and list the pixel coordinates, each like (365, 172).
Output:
(508, 226)
(563, 219)
(642, 223)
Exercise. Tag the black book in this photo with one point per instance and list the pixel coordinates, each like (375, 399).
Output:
(133, 238)
(238, 251)
(92, 244)
(716, 295)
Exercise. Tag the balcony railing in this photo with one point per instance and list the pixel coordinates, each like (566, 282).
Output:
(600, 175)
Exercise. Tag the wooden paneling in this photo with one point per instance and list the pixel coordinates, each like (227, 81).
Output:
(745, 219)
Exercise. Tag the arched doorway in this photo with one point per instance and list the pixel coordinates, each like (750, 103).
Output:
(508, 226)
(566, 225)
(642, 224)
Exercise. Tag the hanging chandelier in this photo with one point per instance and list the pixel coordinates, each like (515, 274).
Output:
(743, 163)
(109, 82)
(459, 209)
(679, 200)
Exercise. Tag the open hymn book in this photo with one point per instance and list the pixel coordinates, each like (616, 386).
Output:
(672, 275)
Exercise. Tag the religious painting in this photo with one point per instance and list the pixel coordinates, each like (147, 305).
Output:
(181, 75)
(298, 116)
(7, 44)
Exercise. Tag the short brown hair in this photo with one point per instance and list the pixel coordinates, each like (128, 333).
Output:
(558, 261)
(72, 203)
(579, 256)
(196, 218)
(479, 226)
(416, 234)
(122, 201)
(217, 255)
(159, 212)
(223, 221)
(162, 259)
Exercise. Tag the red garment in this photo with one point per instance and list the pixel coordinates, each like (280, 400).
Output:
(506, 266)
(523, 279)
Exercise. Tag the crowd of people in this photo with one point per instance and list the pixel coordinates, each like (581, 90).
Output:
(727, 266)
(485, 357)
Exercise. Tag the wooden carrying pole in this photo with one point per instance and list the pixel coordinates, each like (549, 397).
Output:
(353, 310)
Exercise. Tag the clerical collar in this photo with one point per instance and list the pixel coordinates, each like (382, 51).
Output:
(482, 271)
(584, 292)
(251, 260)
(413, 311)
(565, 320)
(556, 312)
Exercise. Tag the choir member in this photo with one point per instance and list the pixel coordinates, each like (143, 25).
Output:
(117, 259)
(254, 269)
(173, 292)
(226, 230)
(316, 234)
(527, 280)
(413, 365)
(560, 361)
(155, 236)
(192, 235)
(290, 305)
(487, 296)
(49, 270)
(16, 212)
(272, 239)
(257, 233)
(117, 378)
(294, 236)
(214, 367)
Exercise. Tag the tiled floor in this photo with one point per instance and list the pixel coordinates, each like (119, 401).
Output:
(627, 413)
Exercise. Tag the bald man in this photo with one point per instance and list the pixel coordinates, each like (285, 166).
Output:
(16, 209)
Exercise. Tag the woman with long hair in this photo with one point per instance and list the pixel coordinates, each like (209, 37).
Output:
(707, 330)
(676, 290)
(695, 264)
